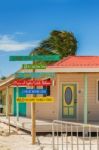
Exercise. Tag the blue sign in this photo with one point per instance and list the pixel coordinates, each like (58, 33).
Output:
(34, 91)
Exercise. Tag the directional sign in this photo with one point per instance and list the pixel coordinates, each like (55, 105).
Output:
(35, 75)
(34, 91)
(31, 82)
(35, 58)
(46, 99)
(32, 66)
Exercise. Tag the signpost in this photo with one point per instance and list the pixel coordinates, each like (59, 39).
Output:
(34, 75)
(35, 58)
(24, 76)
(34, 91)
(31, 82)
(46, 99)
(32, 66)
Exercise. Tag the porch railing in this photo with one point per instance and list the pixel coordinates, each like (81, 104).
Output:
(75, 136)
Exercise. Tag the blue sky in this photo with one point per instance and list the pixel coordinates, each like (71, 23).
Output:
(24, 23)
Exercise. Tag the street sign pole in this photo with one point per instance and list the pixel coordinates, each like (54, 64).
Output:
(33, 118)
(34, 58)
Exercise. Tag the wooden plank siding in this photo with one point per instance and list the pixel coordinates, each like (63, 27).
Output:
(53, 111)
(93, 103)
(48, 111)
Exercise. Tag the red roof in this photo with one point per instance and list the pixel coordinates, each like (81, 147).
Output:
(77, 62)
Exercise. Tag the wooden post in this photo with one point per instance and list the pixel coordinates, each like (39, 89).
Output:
(8, 107)
(7, 102)
(33, 124)
(9, 117)
(33, 115)
(85, 99)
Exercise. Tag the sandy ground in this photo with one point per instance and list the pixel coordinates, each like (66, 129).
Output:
(22, 141)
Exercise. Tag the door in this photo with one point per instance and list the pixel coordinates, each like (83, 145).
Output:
(22, 106)
(69, 100)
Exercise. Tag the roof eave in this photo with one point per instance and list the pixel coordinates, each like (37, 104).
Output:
(64, 70)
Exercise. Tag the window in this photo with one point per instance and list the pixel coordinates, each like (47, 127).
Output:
(68, 95)
(48, 90)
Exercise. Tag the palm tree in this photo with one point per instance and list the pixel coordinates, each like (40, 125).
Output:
(59, 42)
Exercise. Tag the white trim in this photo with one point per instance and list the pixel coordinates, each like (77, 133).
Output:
(97, 101)
(58, 101)
(60, 106)
(7, 81)
(68, 70)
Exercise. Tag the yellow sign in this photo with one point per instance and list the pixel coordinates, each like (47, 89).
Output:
(46, 99)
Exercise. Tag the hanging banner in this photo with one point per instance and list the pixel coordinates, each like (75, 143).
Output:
(35, 75)
(34, 91)
(46, 99)
(35, 58)
(33, 66)
(31, 82)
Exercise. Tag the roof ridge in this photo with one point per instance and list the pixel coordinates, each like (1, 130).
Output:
(86, 56)
(60, 61)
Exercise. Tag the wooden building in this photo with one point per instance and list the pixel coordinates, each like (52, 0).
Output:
(76, 91)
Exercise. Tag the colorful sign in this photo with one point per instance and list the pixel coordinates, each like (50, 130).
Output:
(32, 66)
(31, 82)
(46, 99)
(34, 91)
(35, 75)
(35, 58)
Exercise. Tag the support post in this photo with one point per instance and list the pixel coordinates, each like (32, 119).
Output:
(33, 118)
(17, 104)
(9, 115)
(85, 98)
(33, 124)
(7, 102)
(13, 101)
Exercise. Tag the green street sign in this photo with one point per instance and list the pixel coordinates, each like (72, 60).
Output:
(33, 66)
(28, 75)
(35, 58)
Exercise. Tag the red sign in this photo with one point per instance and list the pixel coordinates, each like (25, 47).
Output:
(31, 82)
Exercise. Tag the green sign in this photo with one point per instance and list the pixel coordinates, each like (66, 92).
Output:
(34, 75)
(35, 58)
(33, 66)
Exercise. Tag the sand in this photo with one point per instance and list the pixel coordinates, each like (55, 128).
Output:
(22, 141)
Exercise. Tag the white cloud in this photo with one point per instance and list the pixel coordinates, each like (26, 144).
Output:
(9, 43)
(19, 33)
